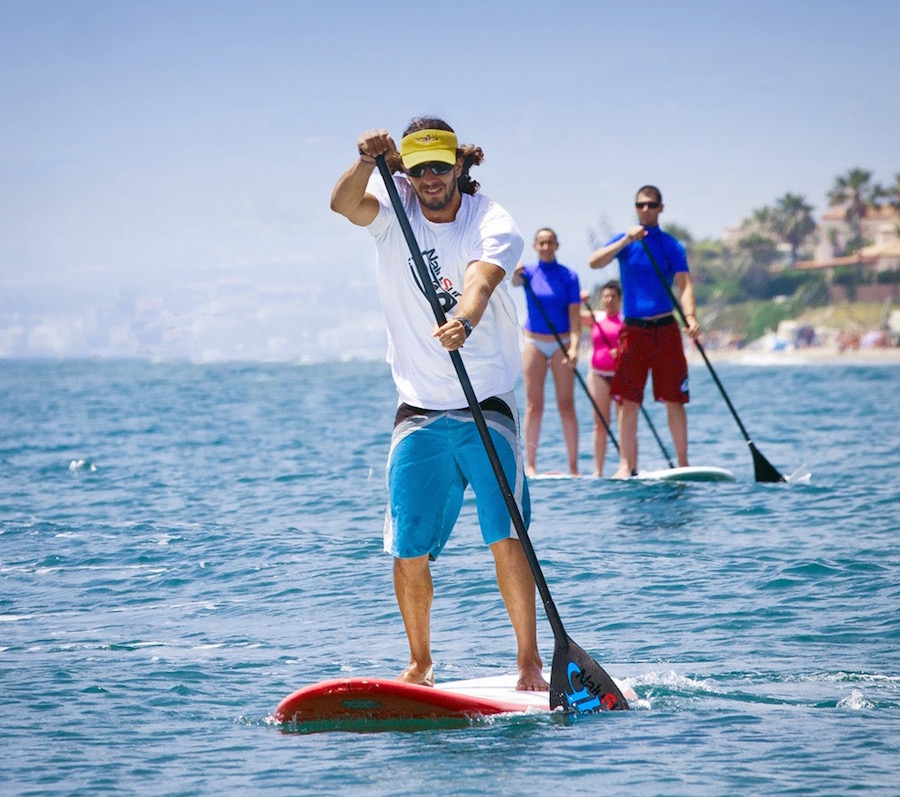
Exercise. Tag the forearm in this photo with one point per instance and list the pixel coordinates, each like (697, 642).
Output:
(349, 197)
(574, 326)
(481, 281)
(688, 303)
(605, 255)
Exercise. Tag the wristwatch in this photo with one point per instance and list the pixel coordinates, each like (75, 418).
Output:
(467, 325)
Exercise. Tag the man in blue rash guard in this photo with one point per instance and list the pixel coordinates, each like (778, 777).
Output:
(650, 339)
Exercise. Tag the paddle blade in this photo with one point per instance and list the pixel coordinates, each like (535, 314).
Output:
(579, 685)
(764, 470)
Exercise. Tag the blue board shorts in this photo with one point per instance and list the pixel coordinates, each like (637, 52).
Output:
(434, 456)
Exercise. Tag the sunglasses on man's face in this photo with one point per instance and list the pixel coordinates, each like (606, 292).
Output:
(435, 168)
(645, 205)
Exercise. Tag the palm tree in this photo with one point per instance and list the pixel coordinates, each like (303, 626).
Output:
(756, 253)
(856, 190)
(893, 192)
(763, 218)
(792, 221)
(759, 222)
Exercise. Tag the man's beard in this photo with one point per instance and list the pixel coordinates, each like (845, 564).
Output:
(438, 202)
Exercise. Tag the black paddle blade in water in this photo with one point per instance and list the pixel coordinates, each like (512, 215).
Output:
(579, 685)
(764, 470)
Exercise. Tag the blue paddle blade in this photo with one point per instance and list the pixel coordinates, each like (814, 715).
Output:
(579, 685)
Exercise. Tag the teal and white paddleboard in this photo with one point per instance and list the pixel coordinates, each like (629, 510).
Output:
(691, 473)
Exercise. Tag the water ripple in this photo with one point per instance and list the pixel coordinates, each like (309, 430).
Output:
(217, 545)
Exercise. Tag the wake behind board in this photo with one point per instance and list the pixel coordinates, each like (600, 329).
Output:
(689, 474)
(375, 701)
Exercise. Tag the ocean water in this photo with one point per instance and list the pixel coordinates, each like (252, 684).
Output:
(183, 545)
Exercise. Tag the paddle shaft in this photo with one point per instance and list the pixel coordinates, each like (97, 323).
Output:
(527, 283)
(712, 371)
(643, 408)
(556, 625)
(680, 311)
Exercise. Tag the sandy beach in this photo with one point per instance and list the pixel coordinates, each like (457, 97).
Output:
(844, 333)
(813, 355)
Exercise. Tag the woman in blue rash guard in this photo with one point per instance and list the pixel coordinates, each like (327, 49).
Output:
(555, 290)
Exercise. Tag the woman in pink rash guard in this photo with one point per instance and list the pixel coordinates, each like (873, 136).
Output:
(604, 328)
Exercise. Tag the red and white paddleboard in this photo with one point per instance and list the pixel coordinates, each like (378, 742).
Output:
(378, 700)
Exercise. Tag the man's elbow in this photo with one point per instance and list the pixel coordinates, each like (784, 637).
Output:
(337, 206)
(349, 213)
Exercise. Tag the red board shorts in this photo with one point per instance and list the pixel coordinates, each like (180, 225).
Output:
(651, 346)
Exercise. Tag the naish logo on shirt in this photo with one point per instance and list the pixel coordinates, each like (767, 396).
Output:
(447, 295)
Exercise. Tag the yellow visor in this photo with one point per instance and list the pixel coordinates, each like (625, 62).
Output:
(428, 146)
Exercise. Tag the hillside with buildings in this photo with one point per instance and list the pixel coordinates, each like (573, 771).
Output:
(782, 279)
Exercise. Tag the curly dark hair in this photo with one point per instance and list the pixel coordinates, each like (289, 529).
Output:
(470, 154)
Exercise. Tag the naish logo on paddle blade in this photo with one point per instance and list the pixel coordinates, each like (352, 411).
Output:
(587, 697)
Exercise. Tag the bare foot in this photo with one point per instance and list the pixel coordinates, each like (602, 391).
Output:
(416, 675)
(622, 473)
(531, 679)
(530, 472)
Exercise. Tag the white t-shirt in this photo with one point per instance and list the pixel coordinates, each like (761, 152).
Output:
(422, 369)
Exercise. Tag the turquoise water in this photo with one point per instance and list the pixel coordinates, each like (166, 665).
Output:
(183, 545)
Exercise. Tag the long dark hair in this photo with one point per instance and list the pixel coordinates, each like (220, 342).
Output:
(470, 154)
(613, 285)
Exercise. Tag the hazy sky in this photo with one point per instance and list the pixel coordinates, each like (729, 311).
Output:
(165, 167)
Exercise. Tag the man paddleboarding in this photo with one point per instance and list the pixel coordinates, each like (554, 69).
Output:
(471, 245)
(650, 340)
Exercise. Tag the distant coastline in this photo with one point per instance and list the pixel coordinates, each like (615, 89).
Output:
(812, 355)
(839, 333)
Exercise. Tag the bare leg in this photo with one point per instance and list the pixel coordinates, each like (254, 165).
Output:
(564, 379)
(628, 445)
(516, 584)
(415, 594)
(534, 374)
(678, 428)
(599, 390)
